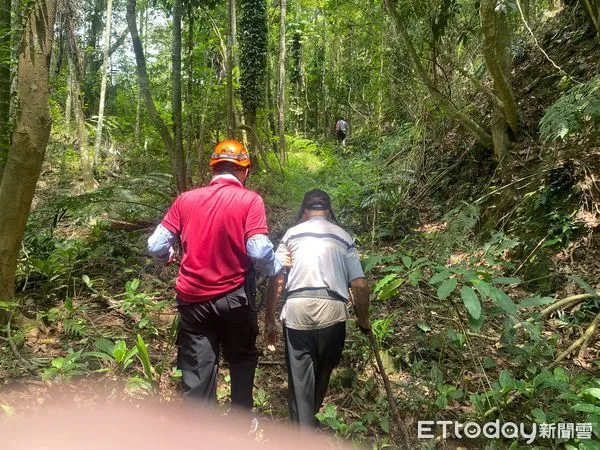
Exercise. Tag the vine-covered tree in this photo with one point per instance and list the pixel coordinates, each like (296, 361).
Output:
(253, 60)
(29, 138)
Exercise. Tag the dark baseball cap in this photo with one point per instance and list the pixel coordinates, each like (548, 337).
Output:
(317, 200)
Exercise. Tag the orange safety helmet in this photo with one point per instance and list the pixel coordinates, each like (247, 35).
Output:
(232, 151)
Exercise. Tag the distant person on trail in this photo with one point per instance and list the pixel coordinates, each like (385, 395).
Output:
(223, 232)
(341, 129)
(324, 264)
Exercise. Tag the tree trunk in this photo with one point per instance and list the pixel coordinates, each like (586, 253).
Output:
(445, 104)
(82, 137)
(230, 106)
(592, 12)
(92, 63)
(281, 80)
(29, 138)
(5, 79)
(69, 103)
(106, 48)
(138, 109)
(189, 95)
(155, 118)
(176, 108)
(495, 47)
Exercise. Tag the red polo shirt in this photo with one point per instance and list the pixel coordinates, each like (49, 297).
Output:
(213, 224)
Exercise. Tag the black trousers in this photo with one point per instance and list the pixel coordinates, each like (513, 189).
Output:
(311, 356)
(228, 323)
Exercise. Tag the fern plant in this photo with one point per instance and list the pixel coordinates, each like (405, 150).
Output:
(580, 104)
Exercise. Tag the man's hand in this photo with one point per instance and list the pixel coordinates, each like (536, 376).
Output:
(270, 334)
(364, 326)
(285, 259)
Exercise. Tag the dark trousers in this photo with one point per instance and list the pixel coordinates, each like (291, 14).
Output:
(229, 323)
(311, 356)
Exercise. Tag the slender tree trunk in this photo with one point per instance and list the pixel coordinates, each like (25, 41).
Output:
(281, 79)
(189, 95)
(138, 110)
(176, 83)
(230, 105)
(147, 96)
(69, 103)
(496, 51)
(5, 80)
(445, 104)
(106, 48)
(29, 138)
(92, 63)
(592, 11)
(87, 172)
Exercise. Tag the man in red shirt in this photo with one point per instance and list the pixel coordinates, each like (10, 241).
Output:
(223, 230)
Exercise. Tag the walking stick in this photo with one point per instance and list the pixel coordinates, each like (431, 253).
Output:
(388, 389)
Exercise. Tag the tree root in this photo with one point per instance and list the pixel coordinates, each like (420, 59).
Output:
(569, 301)
(24, 363)
(581, 343)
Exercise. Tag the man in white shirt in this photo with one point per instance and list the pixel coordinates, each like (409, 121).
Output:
(325, 264)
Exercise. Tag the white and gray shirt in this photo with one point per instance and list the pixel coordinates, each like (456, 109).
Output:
(324, 262)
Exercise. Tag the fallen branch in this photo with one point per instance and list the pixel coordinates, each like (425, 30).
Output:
(584, 339)
(569, 301)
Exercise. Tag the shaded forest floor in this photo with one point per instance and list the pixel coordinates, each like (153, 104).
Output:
(85, 279)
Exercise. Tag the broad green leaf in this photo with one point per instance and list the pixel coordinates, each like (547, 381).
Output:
(476, 324)
(369, 263)
(390, 289)
(503, 301)
(407, 261)
(539, 415)
(506, 380)
(104, 345)
(482, 287)
(469, 298)
(594, 392)
(536, 300)
(506, 280)
(446, 288)
(440, 276)
(385, 280)
(588, 444)
(587, 407)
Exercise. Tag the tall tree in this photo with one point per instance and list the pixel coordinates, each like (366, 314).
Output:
(66, 16)
(442, 101)
(231, 19)
(176, 92)
(105, 57)
(496, 52)
(177, 163)
(29, 138)
(253, 63)
(281, 80)
(82, 135)
(5, 58)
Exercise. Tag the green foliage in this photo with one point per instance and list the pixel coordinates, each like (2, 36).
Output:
(63, 368)
(253, 35)
(115, 353)
(579, 105)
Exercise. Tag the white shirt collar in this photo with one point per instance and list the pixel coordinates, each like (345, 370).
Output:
(227, 176)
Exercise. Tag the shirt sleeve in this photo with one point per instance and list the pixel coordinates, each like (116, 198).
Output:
(355, 269)
(256, 220)
(172, 220)
(260, 250)
(160, 244)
